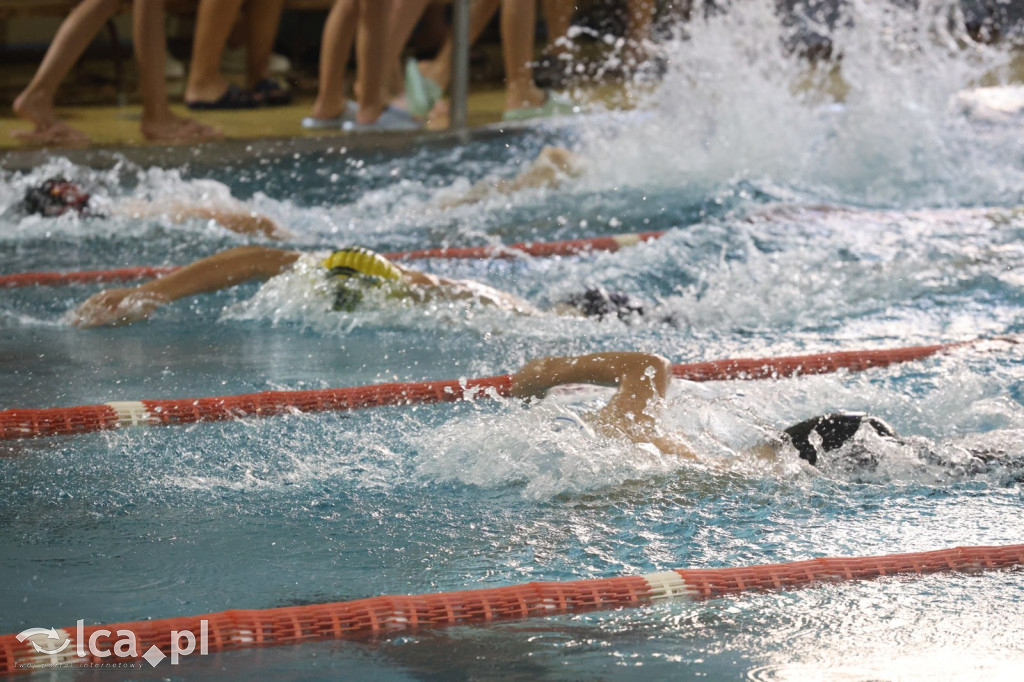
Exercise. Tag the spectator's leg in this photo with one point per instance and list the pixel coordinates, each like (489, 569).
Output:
(439, 68)
(371, 58)
(263, 19)
(149, 37)
(405, 14)
(338, 35)
(518, 28)
(35, 103)
(214, 21)
(558, 17)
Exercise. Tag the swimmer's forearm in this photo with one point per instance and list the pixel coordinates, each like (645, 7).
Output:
(601, 369)
(604, 369)
(220, 271)
(236, 220)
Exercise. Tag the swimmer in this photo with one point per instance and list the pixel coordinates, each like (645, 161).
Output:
(349, 273)
(552, 167)
(643, 379)
(57, 196)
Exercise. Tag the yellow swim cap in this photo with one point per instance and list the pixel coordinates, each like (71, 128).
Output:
(356, 261)
(361, 264)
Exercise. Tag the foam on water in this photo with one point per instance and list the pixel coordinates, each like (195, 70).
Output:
(734, 104)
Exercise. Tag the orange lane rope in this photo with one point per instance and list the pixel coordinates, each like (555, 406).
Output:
(540, 249)
(154, 640)
(29, 423)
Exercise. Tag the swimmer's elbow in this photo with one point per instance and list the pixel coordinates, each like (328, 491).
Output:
(656, 369)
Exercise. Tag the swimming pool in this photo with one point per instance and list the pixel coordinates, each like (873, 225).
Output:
(922, 246)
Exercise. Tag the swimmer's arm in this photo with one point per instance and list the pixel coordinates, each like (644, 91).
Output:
(549, 169)
(242, 222)
(552, 165)
(642, 379)
(236, 220)
(639, 377)
(220, 271)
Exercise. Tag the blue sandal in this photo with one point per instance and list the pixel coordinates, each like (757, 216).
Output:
(336, 123)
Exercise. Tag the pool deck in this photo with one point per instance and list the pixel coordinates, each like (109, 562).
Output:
(117, 127)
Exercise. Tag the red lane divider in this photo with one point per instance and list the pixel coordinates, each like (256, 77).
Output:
(540, 249)
(154, 640)
(56, 279)
(29, 423)
(820, 363)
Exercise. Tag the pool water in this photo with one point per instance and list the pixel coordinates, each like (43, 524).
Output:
(796, 225)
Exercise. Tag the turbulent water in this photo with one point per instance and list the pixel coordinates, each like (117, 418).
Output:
(867, 202)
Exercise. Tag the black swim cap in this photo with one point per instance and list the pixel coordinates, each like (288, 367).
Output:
(54, 197)
(599, 303)
(834, 430)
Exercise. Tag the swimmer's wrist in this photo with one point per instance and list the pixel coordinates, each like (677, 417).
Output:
(160, 290)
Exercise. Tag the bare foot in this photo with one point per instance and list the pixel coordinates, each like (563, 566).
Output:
(174, 129)
(59, 133)
(206, 91)
(525, 98)
(435, 71)
(439, 117)
(325, 110)
(369, 113)
(37, 108)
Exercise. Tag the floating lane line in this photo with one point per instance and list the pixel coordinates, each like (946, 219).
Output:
(28, 423)
(154, 640)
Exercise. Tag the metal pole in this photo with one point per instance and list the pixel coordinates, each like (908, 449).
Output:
(460, 64)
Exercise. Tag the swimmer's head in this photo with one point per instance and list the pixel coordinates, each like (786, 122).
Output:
(356, 267)
(600, 303)
(831, 431)
(55, 197)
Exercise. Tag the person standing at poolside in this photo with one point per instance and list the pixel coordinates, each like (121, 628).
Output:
(364, 22)
(158, 124)
(425, 82)
(206, 87)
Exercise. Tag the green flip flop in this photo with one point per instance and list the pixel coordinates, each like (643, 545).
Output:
(421, 93)
(554, 105)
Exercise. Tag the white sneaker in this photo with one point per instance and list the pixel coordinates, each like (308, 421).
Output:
(233, 61)
(279, 64)
(173, 68)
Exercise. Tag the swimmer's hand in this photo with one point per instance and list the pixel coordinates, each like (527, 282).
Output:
(533, 380)
(117, 307)
(250, 223)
